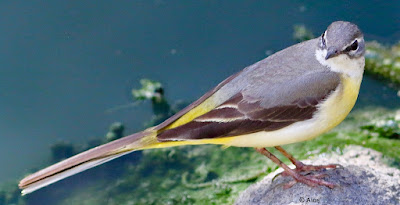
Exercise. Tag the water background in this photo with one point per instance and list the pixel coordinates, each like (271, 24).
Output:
(64, 63)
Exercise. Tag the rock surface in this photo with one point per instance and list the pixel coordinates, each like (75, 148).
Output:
(364, 179)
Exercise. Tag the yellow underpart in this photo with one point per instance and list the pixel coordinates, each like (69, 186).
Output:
(330, 113)
(341, 106)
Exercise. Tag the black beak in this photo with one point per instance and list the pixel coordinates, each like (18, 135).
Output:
(332, 52)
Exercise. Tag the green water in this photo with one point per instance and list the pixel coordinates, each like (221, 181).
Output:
(64, 63)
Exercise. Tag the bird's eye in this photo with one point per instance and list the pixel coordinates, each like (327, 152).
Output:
(352, 47)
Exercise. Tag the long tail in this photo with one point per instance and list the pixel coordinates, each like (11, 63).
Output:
(89, 159)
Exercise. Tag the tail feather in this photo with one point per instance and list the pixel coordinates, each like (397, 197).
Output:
(86, 160)
(29, 188)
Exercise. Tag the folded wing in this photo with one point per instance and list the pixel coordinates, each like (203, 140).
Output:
(249, 112)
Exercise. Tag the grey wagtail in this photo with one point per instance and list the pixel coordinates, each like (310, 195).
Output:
(291, 96)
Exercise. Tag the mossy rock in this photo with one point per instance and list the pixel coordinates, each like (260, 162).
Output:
(383, 61)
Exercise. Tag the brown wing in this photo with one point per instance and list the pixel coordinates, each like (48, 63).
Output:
(244, 114)
(243, 118)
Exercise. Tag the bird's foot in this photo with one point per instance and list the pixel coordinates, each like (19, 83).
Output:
(310, 180)
(298, 174)
(305, 167)
(303, 173)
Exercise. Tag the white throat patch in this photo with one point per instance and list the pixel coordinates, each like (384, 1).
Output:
(354, 68)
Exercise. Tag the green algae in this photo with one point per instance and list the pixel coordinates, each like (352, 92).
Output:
(150, 90)
(154, 91)
(388, 128)
(383, 61)
(302, 33)
(116, 131)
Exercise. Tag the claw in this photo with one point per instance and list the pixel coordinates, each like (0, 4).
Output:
(282, 173)
(289, 184)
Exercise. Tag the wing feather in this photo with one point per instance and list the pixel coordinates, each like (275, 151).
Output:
(245, 113)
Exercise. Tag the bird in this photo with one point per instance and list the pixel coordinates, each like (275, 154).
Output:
(291, 96)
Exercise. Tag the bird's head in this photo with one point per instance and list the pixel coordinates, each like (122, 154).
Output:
(342, 38)
(341, 48)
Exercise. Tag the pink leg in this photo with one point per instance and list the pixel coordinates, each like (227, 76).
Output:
(309, 180)
(303, 167)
